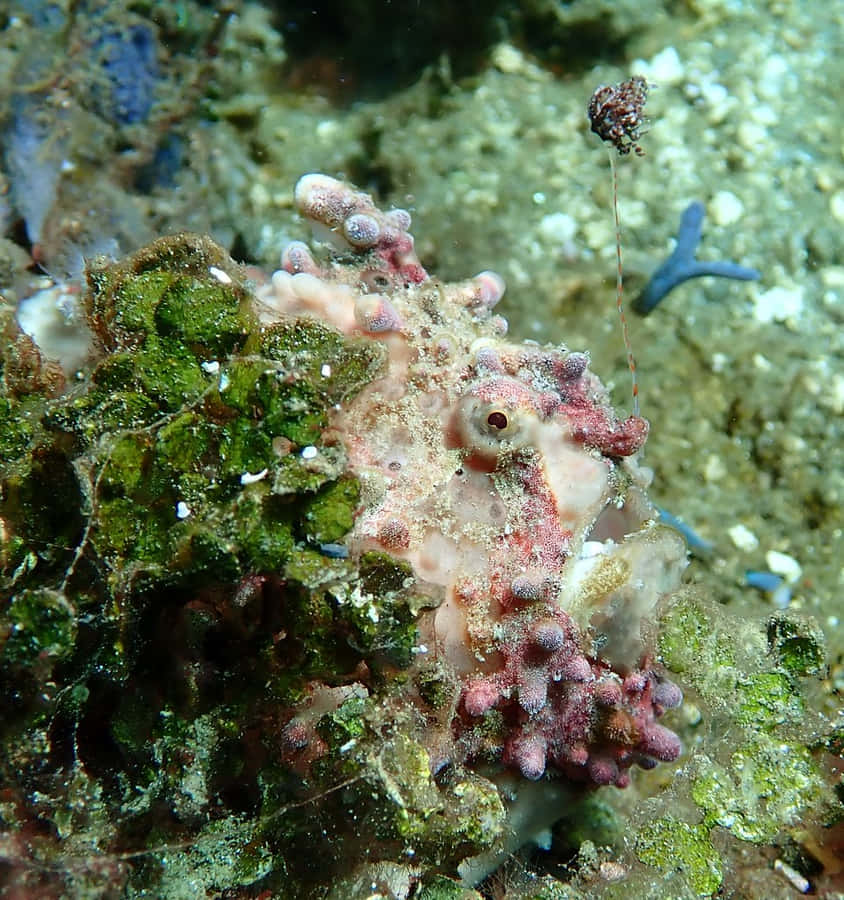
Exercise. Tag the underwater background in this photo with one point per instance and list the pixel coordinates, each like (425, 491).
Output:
(123, 123)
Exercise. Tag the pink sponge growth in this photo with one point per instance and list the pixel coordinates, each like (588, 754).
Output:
(568, 711)
(351, 217)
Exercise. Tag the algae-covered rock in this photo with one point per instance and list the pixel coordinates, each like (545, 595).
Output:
(157, 525)
(673, 845)
(759, 778)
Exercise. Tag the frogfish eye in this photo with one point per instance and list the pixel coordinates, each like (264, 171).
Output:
(492, 417)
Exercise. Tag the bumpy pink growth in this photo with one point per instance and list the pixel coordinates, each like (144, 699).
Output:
(374, 313)
(575, 669)
(351, 216)
(582, 718)
(667, 695)
(394, 535)
(548, 635)
(361, 231)
(297, 258)
(490, 287)
(608, 693)
(296, 735)
(527, 588)
(603, 770)
(527, 754)
(660, 743)
(594, 429)
(533, 691)
(480, 696)
(635, 683)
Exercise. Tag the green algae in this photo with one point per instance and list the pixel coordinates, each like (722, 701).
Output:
(766, 779)
(38, 628)
(689, 640)
(169, 289)
(765, 787)
(766, 700)
(468, 815)
(226, 854)
(16, 431)
(167, 497)
(733, 668)
(435, 684)
(330, 513)
(173, 442)
(669, 844)
(438, 887)
(346, 723)
(797, 644)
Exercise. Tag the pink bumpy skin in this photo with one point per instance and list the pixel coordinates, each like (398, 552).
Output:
(500, 472)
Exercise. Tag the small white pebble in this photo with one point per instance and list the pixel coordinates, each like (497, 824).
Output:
(718, 101)
(832, 397)
(309, 452)
(667, 67)
(719, 362)
(327, 130)
(220, 275)
(743, 538)
(714, 469)
(778, 304)
(771, 75)
(832, 276)
(507, 58)
(599, 236)
(785, 565)
(225, 381)
(511, 61)
(558, 228)
(664, 69)
(752, 136)
(836, 206)
(325, 370)
(211, 367)
(797, 881)
(725, 208)
(182, 510)
(259, 195)
(764, 115)
(249, 478)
